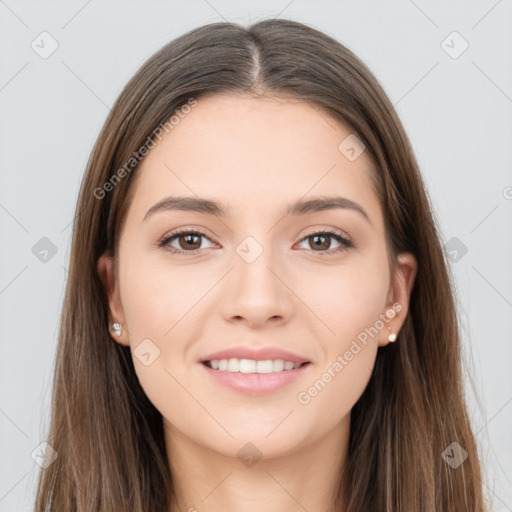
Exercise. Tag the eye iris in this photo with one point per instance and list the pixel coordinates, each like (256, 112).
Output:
(324, 245)
(188, 238)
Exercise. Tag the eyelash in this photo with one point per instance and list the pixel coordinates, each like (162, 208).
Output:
(345, 242)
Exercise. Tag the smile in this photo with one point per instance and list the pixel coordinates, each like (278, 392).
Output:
(252, 366)
(254, 377)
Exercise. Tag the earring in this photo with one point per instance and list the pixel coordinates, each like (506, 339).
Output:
(116, 329)
(392, 336)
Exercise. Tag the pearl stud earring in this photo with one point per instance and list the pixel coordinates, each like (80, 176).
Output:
(392, 336)
(116, 329)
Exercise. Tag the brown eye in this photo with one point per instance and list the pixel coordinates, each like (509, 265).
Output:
(188, 241)
(321, 242)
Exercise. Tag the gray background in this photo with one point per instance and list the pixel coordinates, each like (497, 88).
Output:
(457, 111)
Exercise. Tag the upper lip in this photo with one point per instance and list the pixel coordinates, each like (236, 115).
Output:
(260, 354)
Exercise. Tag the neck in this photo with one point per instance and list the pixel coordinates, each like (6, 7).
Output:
(208, 480)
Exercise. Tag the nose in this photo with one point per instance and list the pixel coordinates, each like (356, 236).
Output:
(256, 293)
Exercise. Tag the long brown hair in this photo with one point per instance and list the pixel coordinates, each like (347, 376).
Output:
(109, 436)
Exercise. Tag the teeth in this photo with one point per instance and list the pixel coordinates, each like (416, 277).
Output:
(251, 366)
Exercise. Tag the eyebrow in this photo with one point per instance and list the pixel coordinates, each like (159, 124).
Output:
(209, 207)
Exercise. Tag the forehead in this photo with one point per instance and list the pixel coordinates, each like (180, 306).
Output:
(252, 153)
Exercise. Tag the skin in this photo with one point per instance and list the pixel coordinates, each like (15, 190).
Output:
(256, 156)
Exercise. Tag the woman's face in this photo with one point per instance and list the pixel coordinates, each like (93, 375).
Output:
(257, 278)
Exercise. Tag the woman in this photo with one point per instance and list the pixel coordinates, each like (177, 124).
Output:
(258, 314)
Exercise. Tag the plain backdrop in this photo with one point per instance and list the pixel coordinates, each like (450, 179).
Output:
(447, 67)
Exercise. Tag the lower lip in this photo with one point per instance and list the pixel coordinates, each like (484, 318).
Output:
(256, 383)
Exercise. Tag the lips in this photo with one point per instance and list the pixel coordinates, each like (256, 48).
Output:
(256, 384)
(261, 354)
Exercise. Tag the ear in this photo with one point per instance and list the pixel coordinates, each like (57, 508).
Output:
(108, 277)
(399, 294)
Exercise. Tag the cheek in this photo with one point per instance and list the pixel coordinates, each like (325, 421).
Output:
(156, 296)
(351, 310)
(348, 299)
(160, 303)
